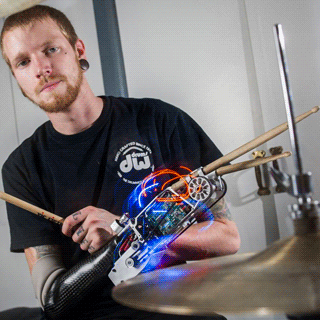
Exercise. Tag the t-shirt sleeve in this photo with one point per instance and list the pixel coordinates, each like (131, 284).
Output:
(189, 145)
(26, 228)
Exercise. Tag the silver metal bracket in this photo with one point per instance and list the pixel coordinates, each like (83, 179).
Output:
(304, 210)
(125, 267)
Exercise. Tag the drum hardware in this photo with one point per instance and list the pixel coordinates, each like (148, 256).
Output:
(263, 190)
(284, 278)
(274, 151)
(262, 172)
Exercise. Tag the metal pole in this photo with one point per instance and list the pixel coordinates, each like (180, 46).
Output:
(280, 45)
(113, 70)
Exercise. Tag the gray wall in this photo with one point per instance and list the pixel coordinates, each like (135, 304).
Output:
(216, 60)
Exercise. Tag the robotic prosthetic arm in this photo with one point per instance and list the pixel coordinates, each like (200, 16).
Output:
(148, 228)
(59, 290)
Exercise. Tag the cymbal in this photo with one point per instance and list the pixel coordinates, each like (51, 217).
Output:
(8, 7)
(284, 278)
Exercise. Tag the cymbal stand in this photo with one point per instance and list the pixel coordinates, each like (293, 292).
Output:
(304, 213)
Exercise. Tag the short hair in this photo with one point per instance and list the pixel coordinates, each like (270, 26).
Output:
(38, 13)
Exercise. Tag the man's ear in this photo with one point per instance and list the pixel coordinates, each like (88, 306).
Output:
(80, 49)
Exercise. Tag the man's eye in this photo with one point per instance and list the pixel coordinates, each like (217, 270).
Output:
(23, 63)
(52, 50)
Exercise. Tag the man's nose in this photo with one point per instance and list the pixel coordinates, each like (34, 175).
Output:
(43, 67)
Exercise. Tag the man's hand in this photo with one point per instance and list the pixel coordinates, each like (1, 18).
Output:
(90, 227)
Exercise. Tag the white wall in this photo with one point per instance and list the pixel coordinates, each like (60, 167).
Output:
(18, 120)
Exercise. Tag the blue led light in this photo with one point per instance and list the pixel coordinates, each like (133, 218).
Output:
(144, 192)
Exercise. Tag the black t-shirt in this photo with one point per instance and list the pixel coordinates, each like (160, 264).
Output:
(99, 166)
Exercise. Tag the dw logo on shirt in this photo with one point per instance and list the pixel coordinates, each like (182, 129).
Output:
(135, 162)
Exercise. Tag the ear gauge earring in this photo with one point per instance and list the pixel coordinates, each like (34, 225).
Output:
(84, 64)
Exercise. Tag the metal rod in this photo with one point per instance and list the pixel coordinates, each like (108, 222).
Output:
(280, 46)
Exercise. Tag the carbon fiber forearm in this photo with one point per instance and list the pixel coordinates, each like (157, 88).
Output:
(68, 288)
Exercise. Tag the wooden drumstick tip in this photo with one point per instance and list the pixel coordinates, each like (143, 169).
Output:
(315, 109)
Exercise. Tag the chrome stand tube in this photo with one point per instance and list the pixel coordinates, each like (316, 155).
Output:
(305, 214)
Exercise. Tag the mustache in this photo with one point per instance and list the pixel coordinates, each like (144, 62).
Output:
(44, 80)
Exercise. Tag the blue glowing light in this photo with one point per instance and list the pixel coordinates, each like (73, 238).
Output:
(144, 191)
(160, 215)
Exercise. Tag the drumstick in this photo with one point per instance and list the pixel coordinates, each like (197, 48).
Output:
(31, 208)
(249, 164)
(247, 147)
(254, 143)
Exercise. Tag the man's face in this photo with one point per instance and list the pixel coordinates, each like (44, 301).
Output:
(45, 65)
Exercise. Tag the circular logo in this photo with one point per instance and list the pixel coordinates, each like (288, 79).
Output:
(135, 162)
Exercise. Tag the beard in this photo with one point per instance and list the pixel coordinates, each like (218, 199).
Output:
(60, 102)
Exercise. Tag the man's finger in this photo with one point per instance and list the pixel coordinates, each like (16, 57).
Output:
(70, 223)
(80, 234)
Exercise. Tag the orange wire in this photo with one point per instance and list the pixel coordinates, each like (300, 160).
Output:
(176, 175)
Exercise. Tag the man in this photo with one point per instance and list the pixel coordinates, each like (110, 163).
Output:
(84, 163)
